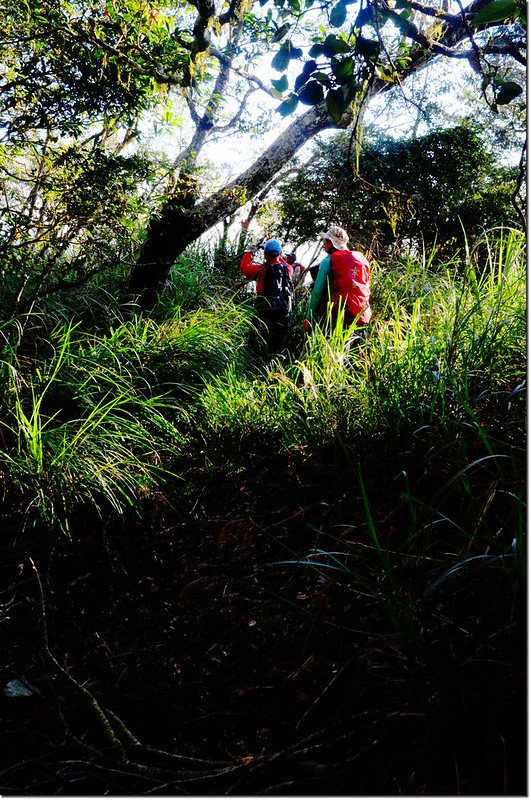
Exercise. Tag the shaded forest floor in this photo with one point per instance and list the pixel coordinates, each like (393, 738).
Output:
(189, 625)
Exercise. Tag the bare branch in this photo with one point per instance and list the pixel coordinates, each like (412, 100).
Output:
(245, 75)
(61, 671)
(237, 116)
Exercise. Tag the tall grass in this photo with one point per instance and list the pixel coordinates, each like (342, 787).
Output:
(421, 568)
(434, 357)
(99, 420)
(427, 566)
(204, 275)
(100, 417)
(76, 432)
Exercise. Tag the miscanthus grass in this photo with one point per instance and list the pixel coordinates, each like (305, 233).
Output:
(441, 372)
(99, 418)
(96, 421)
(442, 346)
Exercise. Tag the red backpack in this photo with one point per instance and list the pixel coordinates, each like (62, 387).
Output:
(350, 272)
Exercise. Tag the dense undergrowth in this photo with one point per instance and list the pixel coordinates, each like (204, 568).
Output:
(97, 418)
(415, 526)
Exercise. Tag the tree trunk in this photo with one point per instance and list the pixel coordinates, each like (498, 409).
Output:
(181, 221)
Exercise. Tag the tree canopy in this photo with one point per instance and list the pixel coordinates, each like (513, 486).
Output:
(79, 77)
(413, 193)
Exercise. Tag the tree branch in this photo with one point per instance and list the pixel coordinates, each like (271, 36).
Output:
(246, 185)
(245, 75)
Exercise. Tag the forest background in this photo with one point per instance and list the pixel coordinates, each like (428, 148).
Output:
(231, 573)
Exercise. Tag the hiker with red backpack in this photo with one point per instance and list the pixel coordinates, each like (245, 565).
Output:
(342, 283)
(274, 291)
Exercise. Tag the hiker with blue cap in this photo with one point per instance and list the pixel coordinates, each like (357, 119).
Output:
(274, 291)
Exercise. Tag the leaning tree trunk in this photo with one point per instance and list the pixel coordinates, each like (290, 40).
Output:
(179, 223)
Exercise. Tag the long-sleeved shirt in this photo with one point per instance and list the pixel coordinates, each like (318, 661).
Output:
(347, 278)
(320, 286)
(257, 272)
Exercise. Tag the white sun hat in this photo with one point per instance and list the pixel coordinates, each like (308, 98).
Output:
(337, 236)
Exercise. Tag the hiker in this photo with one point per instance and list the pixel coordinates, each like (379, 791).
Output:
(343, 281)
(274, 291)
(298, 269)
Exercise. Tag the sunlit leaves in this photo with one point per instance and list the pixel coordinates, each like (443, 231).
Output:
(72, 64)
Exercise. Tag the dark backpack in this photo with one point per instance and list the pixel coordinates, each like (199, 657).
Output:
(278, 289)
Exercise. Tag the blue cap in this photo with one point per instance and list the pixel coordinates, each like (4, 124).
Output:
(273, 246)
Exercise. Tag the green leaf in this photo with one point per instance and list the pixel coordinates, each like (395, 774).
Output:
(343, 70)
(338, 15)
(281, 58)
(281, 84)
(296, 52)
(322, 77)
(111, 13)
(281, 32)
(496, 11)
(335, 103)
(316, 50)
(333, 45)
(288, 106)
(309, 70)
(311, 94)
(507, 92)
